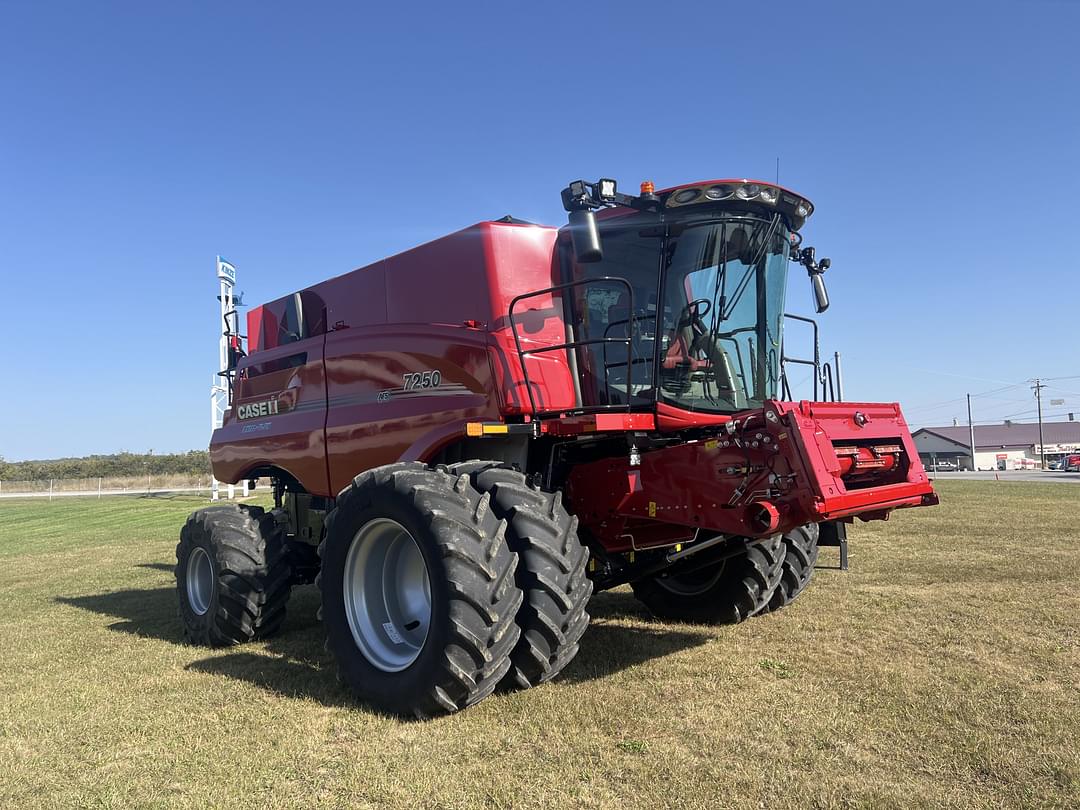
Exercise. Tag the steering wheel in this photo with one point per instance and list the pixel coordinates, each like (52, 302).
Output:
(694, 312)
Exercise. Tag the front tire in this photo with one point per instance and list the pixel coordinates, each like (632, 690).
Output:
(232, 575)
(800, 555)
(552, 573)
(418, 591)
(727, 592)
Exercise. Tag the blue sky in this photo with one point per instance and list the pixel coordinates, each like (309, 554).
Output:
(938, 142)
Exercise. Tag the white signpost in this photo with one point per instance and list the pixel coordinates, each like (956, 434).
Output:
(219, 384)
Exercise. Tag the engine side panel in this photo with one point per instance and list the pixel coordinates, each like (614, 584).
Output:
(400, 392)
(278, 416)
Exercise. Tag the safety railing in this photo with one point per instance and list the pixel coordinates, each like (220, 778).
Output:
(825, 383)
(627, 342)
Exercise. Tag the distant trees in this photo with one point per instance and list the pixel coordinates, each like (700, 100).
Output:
(194, 462)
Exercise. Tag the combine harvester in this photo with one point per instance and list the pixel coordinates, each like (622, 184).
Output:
(467, 439)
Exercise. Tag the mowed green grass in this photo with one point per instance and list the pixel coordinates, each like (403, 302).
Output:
(942, 670)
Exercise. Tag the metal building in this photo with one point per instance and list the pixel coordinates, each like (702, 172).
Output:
(1008, 446)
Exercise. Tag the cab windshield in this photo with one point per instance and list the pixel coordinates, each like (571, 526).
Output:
(694, 317)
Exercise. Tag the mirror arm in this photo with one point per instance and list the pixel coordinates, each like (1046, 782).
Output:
(815, 269)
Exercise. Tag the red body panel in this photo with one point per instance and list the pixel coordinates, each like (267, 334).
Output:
(374, 419)
(292, 439)
(441, 306)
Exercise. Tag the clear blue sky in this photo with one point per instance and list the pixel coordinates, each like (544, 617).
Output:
(940, 143)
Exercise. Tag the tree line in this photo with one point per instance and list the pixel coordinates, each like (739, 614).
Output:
(194, 463)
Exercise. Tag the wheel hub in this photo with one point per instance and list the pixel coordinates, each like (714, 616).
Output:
(387, 594)
(693, 583)
(200, 581)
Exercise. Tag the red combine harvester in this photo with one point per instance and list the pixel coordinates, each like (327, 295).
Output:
(467, 439)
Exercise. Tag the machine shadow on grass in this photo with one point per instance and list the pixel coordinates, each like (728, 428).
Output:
(298, 665)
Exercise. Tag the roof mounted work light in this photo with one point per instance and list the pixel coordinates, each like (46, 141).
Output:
(796, 208)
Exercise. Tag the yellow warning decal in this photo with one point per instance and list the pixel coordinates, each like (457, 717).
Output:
(711, 444)
(652, 508)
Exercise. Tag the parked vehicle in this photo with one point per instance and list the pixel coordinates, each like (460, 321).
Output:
(943, 465)
(468, 439)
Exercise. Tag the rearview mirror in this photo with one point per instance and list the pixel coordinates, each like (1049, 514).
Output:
(821, 295)
(585, 237)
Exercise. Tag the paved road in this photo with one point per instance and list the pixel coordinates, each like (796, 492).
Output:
(1047, 477)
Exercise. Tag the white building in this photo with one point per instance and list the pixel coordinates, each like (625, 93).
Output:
(1009, 446)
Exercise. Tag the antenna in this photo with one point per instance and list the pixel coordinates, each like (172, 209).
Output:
(777, 170)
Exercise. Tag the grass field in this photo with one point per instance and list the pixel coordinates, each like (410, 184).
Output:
(942, 670)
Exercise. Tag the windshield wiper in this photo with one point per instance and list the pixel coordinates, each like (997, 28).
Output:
(720, 315)
(745, 280)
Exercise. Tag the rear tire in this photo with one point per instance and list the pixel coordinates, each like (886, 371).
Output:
(232, 575)
(728, 592)
(552, 571)
(418, 592)
(800, 555)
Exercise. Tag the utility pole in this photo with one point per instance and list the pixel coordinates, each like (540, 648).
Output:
(971, 434)
(1038, 387)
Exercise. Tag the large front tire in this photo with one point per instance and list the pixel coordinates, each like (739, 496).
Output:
(727, 592)
(552, 573)
(418, 591)
(800, 555)
(232, 575)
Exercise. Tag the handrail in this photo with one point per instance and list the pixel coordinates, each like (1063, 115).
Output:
(573, 344)
(828, 376)
(816, 362)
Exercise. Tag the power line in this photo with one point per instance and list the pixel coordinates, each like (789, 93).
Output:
(1062, 390)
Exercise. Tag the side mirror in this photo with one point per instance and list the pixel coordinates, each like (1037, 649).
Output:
(821, 295)
(585, 237)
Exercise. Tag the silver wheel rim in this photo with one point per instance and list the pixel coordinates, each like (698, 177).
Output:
(200, 581)
(387, 594)
(693, 584)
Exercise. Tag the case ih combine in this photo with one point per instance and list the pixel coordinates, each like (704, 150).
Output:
(467, 439)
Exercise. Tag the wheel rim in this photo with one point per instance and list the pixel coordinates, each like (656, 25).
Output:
(387, 594)
(200, 581)
(693, 583)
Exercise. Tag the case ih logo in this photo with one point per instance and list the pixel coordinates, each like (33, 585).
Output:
(254, 410)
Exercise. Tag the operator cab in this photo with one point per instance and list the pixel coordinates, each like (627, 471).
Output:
(678, 296)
